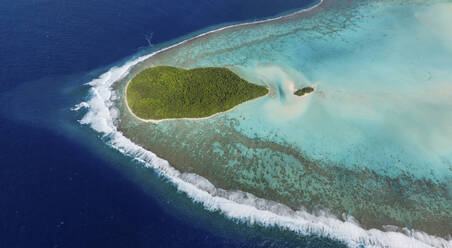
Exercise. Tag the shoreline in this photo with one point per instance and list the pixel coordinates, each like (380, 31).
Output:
(146, 57)
(163, 171)
(184, 118)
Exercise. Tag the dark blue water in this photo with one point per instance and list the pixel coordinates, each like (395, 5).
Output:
(60, 185)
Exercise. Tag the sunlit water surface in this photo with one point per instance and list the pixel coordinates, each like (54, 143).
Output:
(372, 144)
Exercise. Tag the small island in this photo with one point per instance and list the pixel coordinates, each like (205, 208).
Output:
(304, 91)
(165, 92)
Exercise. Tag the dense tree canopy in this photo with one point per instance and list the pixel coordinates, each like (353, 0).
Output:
(304, 91)
(168, 92)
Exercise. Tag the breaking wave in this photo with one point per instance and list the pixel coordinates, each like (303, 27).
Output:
(101, 116)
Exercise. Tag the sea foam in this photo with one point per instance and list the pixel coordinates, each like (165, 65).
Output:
(101, 116)
(236, 204)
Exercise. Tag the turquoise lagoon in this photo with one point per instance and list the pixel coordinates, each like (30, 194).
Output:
(366, 158)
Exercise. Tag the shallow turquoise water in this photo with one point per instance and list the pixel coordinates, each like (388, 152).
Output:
(373, 142)
(376, 80)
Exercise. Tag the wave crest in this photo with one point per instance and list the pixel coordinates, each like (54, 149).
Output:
(102, 115)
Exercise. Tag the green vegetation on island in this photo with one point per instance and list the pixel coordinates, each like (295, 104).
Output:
(304, 91)
(165, 92)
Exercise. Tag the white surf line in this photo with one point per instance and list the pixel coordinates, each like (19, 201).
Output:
(236, 204)
(101, 116)
(246, 207)
(145, 57)
(236, 25)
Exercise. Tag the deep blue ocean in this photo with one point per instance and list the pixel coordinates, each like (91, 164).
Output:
(60, 184)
